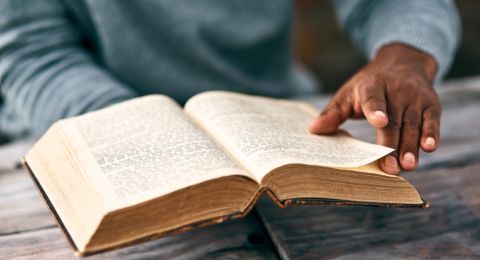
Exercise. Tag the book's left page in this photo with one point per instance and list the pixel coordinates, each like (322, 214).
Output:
(143, 149)
(122, 156)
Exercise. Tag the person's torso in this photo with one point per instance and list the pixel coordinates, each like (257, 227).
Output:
(180, 48)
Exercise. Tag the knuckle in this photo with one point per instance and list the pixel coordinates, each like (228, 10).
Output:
(375, 101)
(367, 88)
(431, 126)
(411, 124)
(333, 105)
(433, 112)
(365, 78)
(409, 147)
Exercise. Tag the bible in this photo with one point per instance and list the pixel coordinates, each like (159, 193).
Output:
(147, 167)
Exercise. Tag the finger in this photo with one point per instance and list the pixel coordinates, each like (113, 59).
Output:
(390, 136)
(430, 129)
(374, 105)
(409, 142)
(334, 114)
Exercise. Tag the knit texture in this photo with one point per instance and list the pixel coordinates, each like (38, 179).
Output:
(61, 58)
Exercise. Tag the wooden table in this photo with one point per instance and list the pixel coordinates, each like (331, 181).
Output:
(450, 228)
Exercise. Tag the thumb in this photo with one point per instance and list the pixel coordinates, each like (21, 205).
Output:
(330, 119)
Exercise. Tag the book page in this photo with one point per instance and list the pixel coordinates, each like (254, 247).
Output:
(144, 148)
(264, 133)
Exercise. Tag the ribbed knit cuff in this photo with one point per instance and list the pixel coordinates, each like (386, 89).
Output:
(422, 39)
(429, 26)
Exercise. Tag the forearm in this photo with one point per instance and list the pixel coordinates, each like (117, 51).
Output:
(45, 74)
(36, 98)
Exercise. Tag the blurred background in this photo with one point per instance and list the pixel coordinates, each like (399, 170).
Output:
(322, 47)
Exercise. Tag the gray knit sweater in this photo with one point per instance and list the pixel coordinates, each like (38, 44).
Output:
(60, 58)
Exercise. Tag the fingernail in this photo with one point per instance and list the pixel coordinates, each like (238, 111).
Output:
(379, 113)
(409, 157)
(391, 161)
(430, 141)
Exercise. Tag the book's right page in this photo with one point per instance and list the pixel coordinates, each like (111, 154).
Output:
(264, 134)
(270, 138)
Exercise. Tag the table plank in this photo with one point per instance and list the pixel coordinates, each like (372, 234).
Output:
(21, 206)
(10, 154)
(27, 230)
(459, 245)
(242, 238)
(332, 231)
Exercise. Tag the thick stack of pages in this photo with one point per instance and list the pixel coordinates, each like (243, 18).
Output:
(145, 168)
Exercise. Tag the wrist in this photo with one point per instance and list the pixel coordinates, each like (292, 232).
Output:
(402, 54)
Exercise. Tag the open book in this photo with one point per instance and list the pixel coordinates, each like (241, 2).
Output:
(145, 167)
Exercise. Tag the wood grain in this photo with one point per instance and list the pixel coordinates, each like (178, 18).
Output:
(27, 230)
(233, 240)
(21, 207)
(309, 231)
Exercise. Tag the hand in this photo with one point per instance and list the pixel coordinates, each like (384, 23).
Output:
(394, 93)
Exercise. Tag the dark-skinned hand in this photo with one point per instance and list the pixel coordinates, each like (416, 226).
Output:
(394, 93)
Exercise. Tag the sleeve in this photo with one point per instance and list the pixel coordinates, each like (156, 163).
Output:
(45, 73)
(432, 26)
